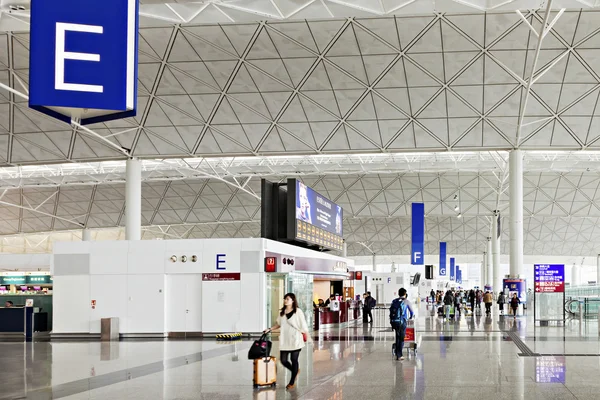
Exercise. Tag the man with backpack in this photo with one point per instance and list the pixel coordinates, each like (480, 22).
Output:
(399, 316)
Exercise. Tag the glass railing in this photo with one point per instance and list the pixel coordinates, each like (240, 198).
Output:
(583, 291)
(587, 296)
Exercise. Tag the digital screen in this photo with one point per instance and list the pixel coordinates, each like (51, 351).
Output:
(317, 210)
(318, 219)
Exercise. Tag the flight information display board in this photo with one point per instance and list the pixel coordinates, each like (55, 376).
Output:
(318, 220)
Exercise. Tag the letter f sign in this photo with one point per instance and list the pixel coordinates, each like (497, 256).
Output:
(416, 256)
(62, 55)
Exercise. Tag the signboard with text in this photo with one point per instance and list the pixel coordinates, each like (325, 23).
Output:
(549, 278)
(418, 234)
(223, 276)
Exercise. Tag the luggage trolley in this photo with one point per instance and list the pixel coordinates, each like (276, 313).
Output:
(410, 338)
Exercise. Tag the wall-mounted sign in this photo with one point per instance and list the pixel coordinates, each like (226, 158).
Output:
(358, 275)
(42, 279)
(13, 280)
(221, 260)
(270, 264)
(549, 278)
(222, 276)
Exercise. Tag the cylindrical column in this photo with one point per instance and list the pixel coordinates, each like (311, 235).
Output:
(484, 269)
(374, 263)
(574, 275)
(598, 276)
(490, 266)
(515, 161)
(86, 235)
(344, 249)
(497, 278)
(133, 200)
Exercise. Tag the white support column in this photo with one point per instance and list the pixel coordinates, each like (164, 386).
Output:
(490, 266)
(484, 269)
(374, 263)
(515, 161)
(497, 278)
(86, 235)
(574, 277)
(344, 249)
(133, 200)
(598, 277)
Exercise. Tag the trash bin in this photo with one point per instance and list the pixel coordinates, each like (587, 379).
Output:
(109, 329)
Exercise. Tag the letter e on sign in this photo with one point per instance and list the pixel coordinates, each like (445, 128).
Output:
(221, 260)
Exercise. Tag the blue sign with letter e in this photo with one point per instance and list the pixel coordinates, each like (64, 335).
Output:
(83, 59)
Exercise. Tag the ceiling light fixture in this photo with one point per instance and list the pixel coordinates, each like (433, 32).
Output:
(455, 208)
(459, 215)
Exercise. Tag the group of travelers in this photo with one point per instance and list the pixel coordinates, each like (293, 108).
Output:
(457, 298)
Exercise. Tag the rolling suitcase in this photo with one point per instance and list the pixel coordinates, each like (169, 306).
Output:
(265, 372)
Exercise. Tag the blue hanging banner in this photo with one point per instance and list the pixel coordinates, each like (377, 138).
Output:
(442, 259)
(83, 59)
(451, 268)
(418, 234)
(458, 275)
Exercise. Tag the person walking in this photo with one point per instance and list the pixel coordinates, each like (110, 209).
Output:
(432, 295)
(292, 337)
(448, 302)
(501, 300)
(472, 301)
(399, 316)
(368, 305)
(479, 298)
(488, 299)
(514, 304)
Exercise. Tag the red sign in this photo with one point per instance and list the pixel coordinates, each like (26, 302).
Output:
(270, 264)
(358, 275)
(409, 336)
(224, 276)
(549, 287)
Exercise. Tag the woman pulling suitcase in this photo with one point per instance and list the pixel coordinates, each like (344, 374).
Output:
(292, 337)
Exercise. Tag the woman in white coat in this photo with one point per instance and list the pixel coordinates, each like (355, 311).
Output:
(293, 335)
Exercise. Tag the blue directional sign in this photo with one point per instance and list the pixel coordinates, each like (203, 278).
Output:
(83, 59)
(418, 234)
(443, 257)
(549, 278)
(452, 275)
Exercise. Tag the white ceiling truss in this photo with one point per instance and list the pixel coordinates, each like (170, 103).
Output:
(374, 109)
(441, 82)
(561, 199)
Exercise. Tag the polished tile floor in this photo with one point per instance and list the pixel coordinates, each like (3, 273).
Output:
(471, 358)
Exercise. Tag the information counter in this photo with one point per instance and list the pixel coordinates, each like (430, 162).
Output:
(347, 313)
(16, 322)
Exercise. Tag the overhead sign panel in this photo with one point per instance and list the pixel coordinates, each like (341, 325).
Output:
(418, 234)
(452, 274)
(549, 278)
(83, 59)
(443, 258)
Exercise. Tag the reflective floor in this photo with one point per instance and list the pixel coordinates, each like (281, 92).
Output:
(482, 357)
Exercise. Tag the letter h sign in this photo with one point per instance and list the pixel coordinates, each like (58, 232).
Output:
(83, 59)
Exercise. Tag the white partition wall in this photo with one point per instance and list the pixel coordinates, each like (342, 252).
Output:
(157, 287)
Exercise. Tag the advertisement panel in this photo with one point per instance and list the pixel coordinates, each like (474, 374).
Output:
(518, 286)
(549, 278)
(318, 219)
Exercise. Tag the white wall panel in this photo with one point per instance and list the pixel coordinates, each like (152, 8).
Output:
(110, 293)
(109, 257)
(71, 304)
(251, 319)
(146, 257)
(221, 306)
(146, 303)
(230, 248)
(175, 303)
